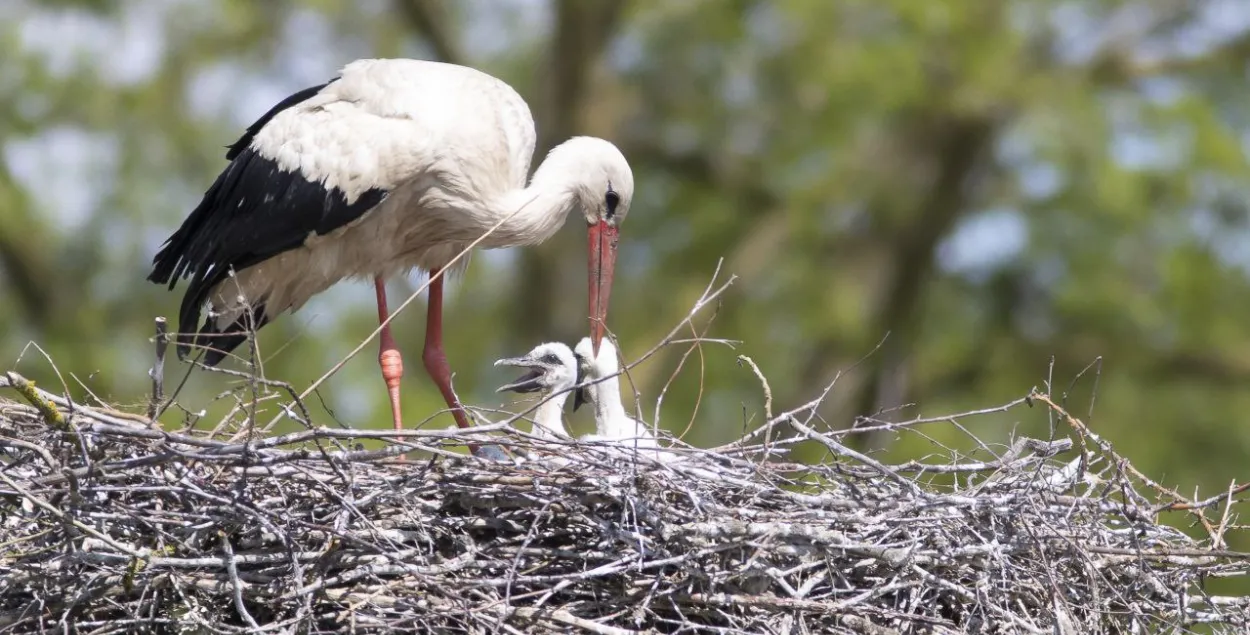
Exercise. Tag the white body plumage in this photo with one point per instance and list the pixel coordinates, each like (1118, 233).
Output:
(394, 165)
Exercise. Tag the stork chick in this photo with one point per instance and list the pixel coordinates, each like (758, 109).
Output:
(603, 392)
(552, 372)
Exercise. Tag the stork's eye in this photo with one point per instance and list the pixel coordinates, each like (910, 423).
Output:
(611, 199)
(550, 358)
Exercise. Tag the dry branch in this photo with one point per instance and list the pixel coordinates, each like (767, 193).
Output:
(110, 525)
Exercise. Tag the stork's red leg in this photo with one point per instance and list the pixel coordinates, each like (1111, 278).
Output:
(434, 357)
(436, 365)
(389, 358)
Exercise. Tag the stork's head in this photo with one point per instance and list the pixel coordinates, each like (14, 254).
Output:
(592, 366)
(603, 186)
(552, 367)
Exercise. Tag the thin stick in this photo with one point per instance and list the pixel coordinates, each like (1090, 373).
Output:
(157, 373)
(37, 398)
(233, 571)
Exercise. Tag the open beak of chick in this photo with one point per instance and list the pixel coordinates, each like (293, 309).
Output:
(530, 381)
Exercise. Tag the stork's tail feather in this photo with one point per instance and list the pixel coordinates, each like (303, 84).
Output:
(216, 343)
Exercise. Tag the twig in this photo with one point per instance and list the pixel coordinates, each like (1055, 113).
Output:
(157, 373)
(768, 399)
(233, 571)
(1178, 502)
(842, 450)
(44, 505)
(42, 403)
(135, 528)
(768, 392)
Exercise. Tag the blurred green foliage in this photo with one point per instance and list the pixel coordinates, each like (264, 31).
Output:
(992, 184)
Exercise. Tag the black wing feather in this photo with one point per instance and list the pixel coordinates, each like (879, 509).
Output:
(219, 343)
(253, 211)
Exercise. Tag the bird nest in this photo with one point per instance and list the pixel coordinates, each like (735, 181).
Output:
(108, 524)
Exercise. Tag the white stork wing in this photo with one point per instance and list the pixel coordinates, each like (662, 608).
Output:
(327, 155)
(279, 188)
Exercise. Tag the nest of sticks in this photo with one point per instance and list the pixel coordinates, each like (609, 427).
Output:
(109, 525)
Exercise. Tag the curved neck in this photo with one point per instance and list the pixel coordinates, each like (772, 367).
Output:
(550, 415)
(533, 213)
(610, 417)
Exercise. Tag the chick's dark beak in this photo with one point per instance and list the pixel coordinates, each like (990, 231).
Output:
(525, 383)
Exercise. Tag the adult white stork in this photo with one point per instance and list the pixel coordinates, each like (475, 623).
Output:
(553, 372)
(392, 165)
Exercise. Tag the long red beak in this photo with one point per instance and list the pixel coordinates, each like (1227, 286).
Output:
(603, 238)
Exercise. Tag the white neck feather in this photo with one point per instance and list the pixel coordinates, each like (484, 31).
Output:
(574, 176)
(533, 214)
(549, 417)
(553, 193)
(611, 420)
(610, 417)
